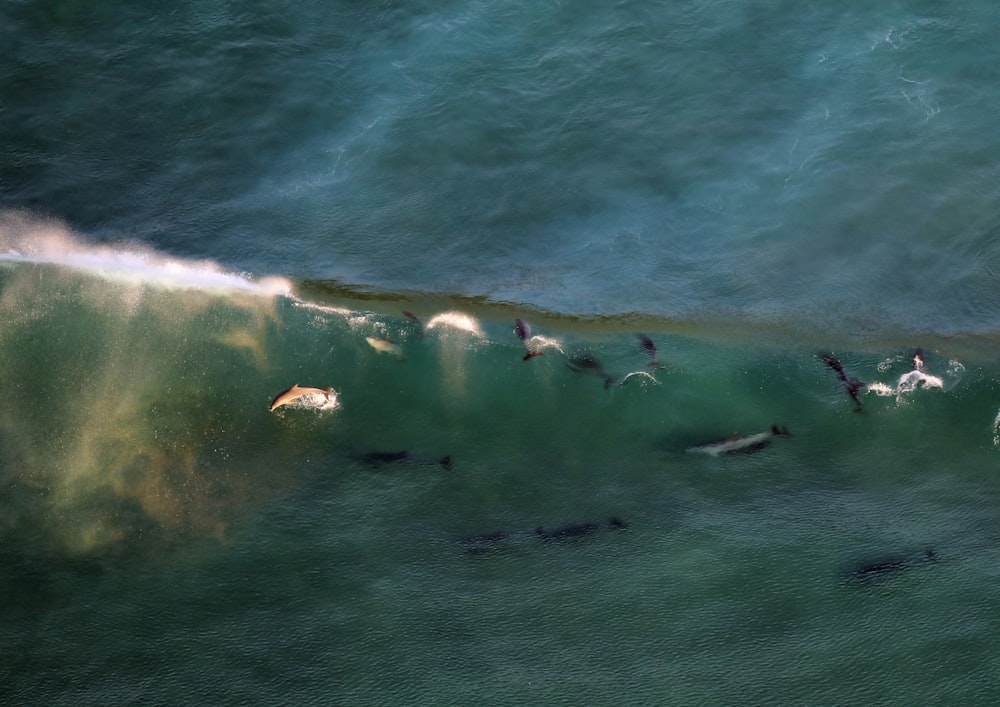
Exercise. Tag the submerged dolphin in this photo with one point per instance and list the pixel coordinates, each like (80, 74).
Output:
(296, 392)
(650, 348)
(892, 565)
(416, 320)
(485, 542)
(852, 385)
(585, 363)
(575, 532)
(379, 458)
(385, 346)
(734, 444)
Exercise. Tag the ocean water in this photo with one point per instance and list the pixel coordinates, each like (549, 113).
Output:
(204, 204)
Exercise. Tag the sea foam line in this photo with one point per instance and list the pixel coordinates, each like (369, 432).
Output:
(24, 239)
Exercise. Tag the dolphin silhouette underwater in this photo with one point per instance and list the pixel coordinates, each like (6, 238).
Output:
(650, 348)
(735, 444)
(503, 539)
(851, 385)
(889, 566)
(386, 346)
(295, 392)
(585, 363)
(377, 459)
(577, 531)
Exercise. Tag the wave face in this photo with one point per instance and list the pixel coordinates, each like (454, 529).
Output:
(142, 468)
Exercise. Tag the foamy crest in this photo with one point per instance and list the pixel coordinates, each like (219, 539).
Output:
(26, 239)
(456, 320)
(539, 343)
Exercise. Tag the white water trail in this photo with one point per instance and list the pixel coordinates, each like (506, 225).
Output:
(31, 240)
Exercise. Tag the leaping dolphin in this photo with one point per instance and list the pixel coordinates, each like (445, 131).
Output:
(296, 392)
(852, 385)
(523, 331)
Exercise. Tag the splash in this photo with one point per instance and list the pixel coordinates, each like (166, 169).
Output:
(314, 401)
(458, 321)
(916, 379)
(28, 239)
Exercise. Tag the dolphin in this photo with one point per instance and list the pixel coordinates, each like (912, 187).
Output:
(918, 376)
(585, 363)
(575, 532)
(852, 385)
(485, 542)
(416, 320)
(385, 346)
(377, 459)
(734, 444)
(523, 331)
(650, 348)
(296, 392)
(888, 566)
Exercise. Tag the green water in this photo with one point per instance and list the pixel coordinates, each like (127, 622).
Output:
(168, 539)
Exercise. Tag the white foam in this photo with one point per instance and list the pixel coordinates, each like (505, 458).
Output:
(24, 239)
(456, 320)
(315, 401)
(539, 343)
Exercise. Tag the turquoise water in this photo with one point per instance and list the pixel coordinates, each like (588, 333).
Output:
(205, 204)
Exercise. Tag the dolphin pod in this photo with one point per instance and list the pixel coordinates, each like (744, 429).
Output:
(586, 363)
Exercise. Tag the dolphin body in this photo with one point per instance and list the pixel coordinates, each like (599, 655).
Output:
(889, 566)
(576, 532)
(650, 348)
(485, 542)
(852, 385)
(296, 392)
(385, 346)
(377, 459)
(523, 331)
(503, 539)
(585, 363)
(734, 444)
(918, 376)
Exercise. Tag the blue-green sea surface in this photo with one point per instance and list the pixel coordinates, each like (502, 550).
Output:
(204, 204)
